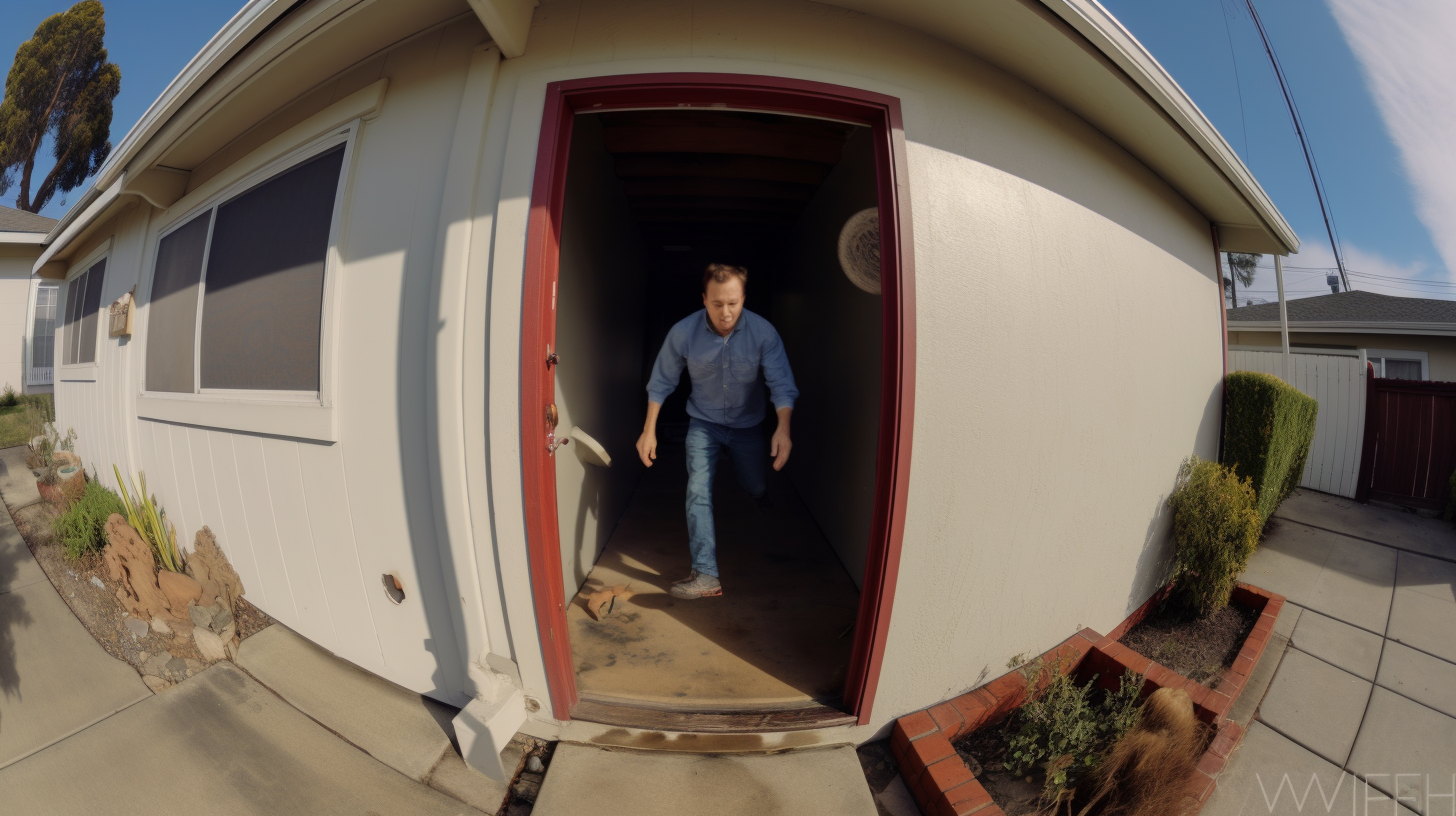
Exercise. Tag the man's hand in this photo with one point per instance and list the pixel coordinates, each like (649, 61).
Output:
(780, 445)
(647, 446)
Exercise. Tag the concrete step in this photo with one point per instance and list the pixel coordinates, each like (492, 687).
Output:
(620, 782)
(404, 730)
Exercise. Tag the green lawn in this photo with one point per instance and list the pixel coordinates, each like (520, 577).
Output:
(13, 427)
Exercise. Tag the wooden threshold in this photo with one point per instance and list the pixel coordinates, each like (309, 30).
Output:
(801, 718)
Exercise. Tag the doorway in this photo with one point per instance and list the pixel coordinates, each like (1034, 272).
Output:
(640, 182)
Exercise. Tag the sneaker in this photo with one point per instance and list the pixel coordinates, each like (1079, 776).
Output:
(696, 585)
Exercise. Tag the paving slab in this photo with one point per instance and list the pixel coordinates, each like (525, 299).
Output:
(1288, 559)
(1354, 650)
(17, 480)
(1270, 775)
(1427, 623)
(221, 744)
(453, 777)
(1355, 583)
(1408, 751)
(18, 568)
(1315, 704)
(1398, 529)
(1428, 576)
(55, 679)
(1288, 619)
(402, 729)
(1419, 676)
(608, 782)
(1258, 685)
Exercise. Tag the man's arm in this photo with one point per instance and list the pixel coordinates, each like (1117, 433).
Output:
(647, 442)
(779, 447)
(782, 391)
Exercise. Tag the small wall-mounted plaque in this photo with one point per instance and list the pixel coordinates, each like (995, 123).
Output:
(121, 316)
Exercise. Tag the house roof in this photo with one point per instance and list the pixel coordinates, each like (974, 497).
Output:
(1354, 312)
(13, 220)
(1073, 51)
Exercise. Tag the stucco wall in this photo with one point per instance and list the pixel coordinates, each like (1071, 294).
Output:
(15, 286)
(831, 330)
(599, 331)
(1040, 470)
(1440, 351)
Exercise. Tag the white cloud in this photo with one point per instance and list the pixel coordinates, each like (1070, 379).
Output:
(1405, 48)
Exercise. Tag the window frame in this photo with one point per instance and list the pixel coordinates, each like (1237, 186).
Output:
(299, 414)
(79, 371)
(1401, 354)
(32, 306)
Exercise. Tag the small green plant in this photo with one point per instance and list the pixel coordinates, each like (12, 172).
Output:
(81, 529)
(1216, 527)
(150, 523)
(8, 399)
(1063, 730)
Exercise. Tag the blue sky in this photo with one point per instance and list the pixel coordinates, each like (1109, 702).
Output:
(1209, 46)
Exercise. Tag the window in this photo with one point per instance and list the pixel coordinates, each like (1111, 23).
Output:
(237, 292)
(43, 335)
(1393, 368)
(83, 300)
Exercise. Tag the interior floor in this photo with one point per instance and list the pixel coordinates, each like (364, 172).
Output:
(778, 637)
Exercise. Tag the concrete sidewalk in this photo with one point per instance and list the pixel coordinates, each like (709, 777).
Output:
(1361, 712)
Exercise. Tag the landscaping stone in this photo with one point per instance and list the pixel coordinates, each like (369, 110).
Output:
(177, 667)
(97, 582)
(137, 628)
(156, 684)
(179, 589)
(129, 562)
(1419, 676)
(604, 782)
(210, 567)
(1316, 705)
(534, 765)
(221, 620)
(200, 616)
(160, 627)
(157, 664)
(1405, 747)
(1354, 650)
(1424, 622)
(209, 644)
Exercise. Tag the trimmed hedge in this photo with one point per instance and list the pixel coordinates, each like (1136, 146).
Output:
(1268, 427)
(1215, 530)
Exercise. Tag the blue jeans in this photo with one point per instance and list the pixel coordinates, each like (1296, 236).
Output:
(705, 441)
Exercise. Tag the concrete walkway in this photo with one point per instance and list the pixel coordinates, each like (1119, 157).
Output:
(1360, 715)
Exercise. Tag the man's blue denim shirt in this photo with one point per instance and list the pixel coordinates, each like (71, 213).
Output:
(724, 370)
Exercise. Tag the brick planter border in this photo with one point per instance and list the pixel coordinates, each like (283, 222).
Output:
(944, 786)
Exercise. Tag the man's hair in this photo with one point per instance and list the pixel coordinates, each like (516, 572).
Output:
(720, 273)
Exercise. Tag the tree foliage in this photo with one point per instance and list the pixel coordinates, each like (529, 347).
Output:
(60, 86)
(1241, 267)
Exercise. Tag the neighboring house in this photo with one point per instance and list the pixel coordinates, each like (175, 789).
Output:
(1405, 338)
(27, 304)
(348, 226)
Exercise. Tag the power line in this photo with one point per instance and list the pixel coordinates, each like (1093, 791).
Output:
(1299, 130)
(1227, 6)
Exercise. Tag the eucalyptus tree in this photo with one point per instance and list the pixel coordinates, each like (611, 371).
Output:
(60, 88)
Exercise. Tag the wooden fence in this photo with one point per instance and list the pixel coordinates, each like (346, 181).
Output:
(1410, 443)
(1337, 381)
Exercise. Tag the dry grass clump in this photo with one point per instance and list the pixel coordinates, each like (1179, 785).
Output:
(1146, 773)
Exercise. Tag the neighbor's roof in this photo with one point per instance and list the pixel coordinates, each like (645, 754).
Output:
(12, 220)
(1073, 51)
(1353, 312)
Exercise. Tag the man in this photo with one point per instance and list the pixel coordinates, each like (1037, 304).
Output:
(723, 346)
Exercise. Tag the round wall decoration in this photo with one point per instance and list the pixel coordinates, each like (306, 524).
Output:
(859, 250)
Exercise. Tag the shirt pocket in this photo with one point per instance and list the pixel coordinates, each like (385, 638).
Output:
(701, 369)
(745, 369)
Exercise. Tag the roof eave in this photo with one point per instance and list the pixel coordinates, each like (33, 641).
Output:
(1348, 326)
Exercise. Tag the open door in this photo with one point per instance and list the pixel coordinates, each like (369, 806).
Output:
(835, 107)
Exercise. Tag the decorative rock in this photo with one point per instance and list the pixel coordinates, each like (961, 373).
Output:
(534, 765)
(156, 665)
(97, 582)
(156, 684)
(228, 634)
(211, 569)
(180, 589)
(209, 644)
(143, 656)
(222, 620)
(230, 647)
(160, 627)
(201, 616)
(137, 628)
(177, 668)
(130, 563)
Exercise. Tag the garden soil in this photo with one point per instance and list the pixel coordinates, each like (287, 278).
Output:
(984, 752)
(1197, 648)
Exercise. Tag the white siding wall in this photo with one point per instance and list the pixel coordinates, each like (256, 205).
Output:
(313, 527)
(15, 284)
(1042, 250)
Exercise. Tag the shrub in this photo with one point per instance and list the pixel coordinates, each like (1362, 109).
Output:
(82, 527)
(1063, 730)
(150, 522)
(1216, 527)
(1268, 427)
(8, 399)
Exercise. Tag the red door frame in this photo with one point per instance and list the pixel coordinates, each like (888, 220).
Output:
(538, 332)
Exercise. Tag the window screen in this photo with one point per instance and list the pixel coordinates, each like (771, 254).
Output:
(262, 301)
(83, 299)
(173, 310)
(43, 330)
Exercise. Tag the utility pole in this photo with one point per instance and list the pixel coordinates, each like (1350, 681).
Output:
(1283, 315)
(1319, 190)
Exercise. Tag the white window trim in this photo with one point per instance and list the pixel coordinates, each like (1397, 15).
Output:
(1402, 355)
(32, 304)
(80, 371)
(300, 414)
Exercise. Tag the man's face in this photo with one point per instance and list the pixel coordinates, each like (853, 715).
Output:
(724, 302)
